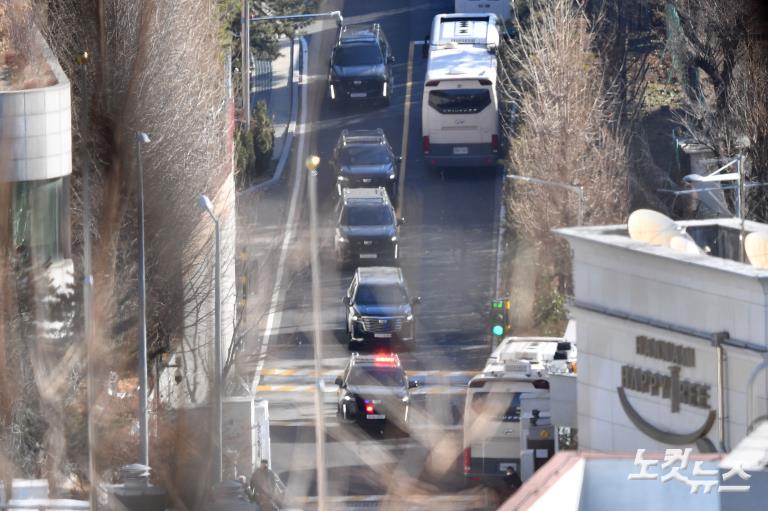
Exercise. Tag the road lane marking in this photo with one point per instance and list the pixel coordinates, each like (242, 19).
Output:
(406, 122)
(290, 224)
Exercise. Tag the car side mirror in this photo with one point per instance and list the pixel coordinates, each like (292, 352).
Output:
(401, 221)
(338, 381)
(345, 300)
(425, 47)
(412, 384)
(416, 300)
(391, 59)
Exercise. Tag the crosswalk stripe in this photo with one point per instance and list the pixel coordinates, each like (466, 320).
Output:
(415, 500)
(427, 390)
(278, 371)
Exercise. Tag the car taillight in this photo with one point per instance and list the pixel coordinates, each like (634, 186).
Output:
(425, 144)
(495, 143)
(467, 460)
(369, 409)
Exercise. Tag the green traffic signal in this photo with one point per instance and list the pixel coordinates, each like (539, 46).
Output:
(498, 330)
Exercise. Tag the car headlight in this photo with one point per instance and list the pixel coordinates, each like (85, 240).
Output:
(347, 398)
(406, 400)
(393, 239)
(340, 238)
(342, 178)
(355, 317)
(391, 177)
(409, 317)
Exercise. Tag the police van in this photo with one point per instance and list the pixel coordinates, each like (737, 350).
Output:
(507, 408)
(460, 111)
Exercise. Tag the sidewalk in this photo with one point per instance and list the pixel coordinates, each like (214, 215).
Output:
(271, 82)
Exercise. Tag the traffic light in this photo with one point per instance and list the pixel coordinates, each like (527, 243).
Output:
(499, 317)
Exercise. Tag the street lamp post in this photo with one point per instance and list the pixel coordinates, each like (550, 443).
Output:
(717, 177)
(142, 138)
(312, 163)
(205, 203)
(578, 190)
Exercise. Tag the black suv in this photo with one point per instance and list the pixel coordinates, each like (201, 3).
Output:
(378, 306)
(367, 228)
(360, 66)
(364, 159)
(374, 389)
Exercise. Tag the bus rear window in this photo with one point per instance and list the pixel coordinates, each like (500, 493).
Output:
(499, 406)
(460, 101)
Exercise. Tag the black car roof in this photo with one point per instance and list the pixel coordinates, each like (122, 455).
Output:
(378, 195)
(362, 32)
(363, 137)
(379, 274)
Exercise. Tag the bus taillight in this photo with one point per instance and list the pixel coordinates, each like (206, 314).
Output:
(425, 144)
(495, 143)
(467, 460)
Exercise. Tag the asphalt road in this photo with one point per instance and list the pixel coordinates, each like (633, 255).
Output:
(448, 252)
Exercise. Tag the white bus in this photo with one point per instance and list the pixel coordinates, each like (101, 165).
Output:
(507, 408)
(459, 112)
(501, 8)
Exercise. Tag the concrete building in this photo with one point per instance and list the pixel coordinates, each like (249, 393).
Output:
(649, 321)
(36, 141)
(36, 144)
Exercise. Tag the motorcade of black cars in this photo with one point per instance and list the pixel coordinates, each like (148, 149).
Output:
(373, 390)
(364, 159)
(367, 228)
(361, 66)
(379, 307)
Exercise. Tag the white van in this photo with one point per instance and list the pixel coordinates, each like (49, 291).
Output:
(507, 408)
(460, 112)
(501, 8)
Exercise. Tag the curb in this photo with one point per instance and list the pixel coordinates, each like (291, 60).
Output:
(297, 78)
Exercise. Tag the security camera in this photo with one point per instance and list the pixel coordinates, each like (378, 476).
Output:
(178, 376)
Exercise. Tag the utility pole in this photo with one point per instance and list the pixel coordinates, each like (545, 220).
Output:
(88, 315)
(205, 203)
(742, 204)
(245, 35)
(142, 138)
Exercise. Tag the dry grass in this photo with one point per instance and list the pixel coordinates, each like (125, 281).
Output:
(21, 57)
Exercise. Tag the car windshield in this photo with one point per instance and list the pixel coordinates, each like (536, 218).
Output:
(380, 294)
(358, 216)
(358, 55)
(366, 155)
(498, 406)
(377, 375)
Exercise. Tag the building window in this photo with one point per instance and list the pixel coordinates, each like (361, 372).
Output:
(40, 219)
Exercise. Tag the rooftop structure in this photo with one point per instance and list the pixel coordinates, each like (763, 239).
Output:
(670, 325)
